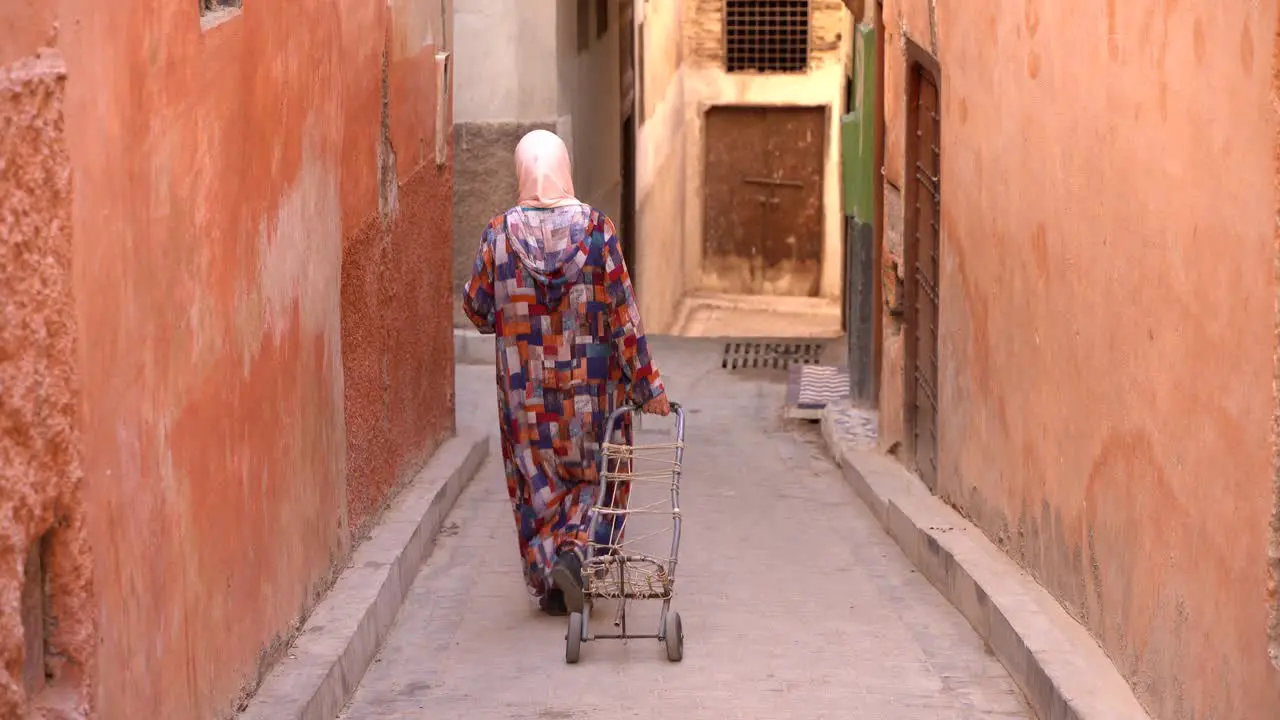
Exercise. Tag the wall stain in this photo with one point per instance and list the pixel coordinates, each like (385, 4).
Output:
(1113, 32)
(1040, 252)
(1126, 478)
(1198, 41)
(1246, 49)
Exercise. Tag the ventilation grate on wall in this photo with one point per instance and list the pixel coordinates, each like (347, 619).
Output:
(749, 355)
(766, 36)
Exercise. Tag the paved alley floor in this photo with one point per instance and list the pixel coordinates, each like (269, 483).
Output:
(795, 604)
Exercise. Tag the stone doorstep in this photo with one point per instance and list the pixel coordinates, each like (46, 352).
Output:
(344, 633)
(472, 348)
(1060, 668)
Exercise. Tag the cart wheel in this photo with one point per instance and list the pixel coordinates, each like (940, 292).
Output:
(675, 638)
(573, 639)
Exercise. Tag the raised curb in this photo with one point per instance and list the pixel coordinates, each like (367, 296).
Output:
(472, 348)
(1052, 658)
(342, 636)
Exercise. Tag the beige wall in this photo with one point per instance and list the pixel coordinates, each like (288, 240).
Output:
(591, 82)
(706, 85)
(660, 166)
(505, 68)
(1107, 320)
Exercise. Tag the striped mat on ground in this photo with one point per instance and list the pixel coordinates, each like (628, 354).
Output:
(810, 388)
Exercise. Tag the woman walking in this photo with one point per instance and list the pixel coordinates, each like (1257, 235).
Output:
(550, 282)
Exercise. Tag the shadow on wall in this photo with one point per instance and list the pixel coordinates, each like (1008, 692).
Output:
(484, 185)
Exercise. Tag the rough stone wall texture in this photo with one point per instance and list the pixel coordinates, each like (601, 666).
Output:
(484, 185)
(705, 33)
(243, 193)
(41, 506)
(397, 341)
(1138, 496)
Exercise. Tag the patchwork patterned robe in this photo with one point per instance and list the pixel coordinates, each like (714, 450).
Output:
(552, 286)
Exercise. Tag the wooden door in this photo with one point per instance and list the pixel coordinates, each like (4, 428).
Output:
(923, 224)
(762, 229)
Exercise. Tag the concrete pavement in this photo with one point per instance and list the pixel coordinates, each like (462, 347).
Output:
(795, 603)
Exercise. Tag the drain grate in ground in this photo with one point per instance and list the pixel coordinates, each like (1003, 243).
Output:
(767, 355)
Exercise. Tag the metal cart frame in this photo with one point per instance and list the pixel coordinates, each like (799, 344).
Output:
(616, 574)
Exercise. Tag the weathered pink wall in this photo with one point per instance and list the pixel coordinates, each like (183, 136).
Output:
(1107, 323)
(230, 208)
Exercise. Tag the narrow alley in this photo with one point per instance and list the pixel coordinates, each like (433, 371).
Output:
(795, 602)
(972, 307)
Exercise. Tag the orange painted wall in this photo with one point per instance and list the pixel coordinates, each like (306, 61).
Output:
(257, 236)
(1107, 323)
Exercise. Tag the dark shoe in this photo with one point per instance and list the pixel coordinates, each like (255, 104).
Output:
(567, 576)
(553, 604)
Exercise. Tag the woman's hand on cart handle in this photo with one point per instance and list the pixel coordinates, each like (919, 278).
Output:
(658, 406)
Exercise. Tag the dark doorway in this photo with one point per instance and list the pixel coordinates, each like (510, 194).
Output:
(626, 50)
(762, 233)
(627, 230)
(922, 233)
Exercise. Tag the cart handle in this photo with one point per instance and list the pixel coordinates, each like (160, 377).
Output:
(638, 407)
(632, 408)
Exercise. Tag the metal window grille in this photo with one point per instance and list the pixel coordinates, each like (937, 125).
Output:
(767, 36)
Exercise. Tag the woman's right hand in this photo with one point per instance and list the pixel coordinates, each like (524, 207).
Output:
(658, 406)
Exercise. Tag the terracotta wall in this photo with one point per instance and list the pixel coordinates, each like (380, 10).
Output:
(1107, 322)
(251, 285)
(1273, 590)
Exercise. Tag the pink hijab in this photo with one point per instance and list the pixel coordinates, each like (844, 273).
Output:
(543, 171)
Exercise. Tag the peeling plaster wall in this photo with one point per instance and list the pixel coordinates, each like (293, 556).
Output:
(706, 84)
(1100, 250)
(237, 334)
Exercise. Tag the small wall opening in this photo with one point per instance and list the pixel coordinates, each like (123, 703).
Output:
(35, 610)
(214, 6)
(216, 12)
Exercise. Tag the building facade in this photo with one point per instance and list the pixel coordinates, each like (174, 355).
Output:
(1080, 313)
(753, 93)
(225, 336)
(558, 65)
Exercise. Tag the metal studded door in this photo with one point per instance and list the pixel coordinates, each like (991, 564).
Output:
(762, 232)
(923, 223)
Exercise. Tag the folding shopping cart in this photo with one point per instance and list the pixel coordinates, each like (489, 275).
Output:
(619, 568)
